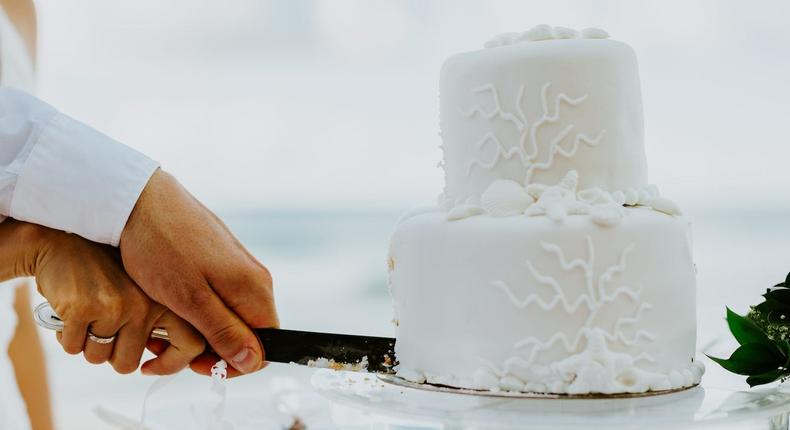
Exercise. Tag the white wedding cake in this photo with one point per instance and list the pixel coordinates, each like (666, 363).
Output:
(549, 264)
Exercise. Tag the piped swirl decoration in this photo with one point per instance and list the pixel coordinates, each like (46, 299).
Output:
(528, 148)
(545, 32)
(591, 365)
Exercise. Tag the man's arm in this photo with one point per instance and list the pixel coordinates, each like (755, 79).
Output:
(60, 173)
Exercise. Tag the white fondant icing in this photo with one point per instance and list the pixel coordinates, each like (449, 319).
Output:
(463, 211)
(418, 211)
(551, 286)
(530, 112)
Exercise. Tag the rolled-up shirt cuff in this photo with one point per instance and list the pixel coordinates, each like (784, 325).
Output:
(80, 181)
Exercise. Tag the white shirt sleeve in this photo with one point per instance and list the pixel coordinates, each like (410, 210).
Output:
(60, 173)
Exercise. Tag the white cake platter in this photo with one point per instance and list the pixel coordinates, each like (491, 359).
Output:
(395, 404)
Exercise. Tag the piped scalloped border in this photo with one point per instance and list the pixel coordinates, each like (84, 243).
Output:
(426, 386)
(678, 379)
(545, 32)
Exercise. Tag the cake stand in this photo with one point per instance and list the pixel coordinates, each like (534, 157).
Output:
(397, 404)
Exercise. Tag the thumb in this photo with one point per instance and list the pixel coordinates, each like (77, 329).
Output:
(227, 334)
(185, 344)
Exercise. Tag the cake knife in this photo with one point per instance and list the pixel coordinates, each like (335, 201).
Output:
(344, 351)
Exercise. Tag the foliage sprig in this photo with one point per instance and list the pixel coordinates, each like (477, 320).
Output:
(764, 338)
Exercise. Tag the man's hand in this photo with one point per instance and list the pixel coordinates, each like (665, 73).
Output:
(185, 258)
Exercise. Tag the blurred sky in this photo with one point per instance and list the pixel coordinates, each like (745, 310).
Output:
(267, 104)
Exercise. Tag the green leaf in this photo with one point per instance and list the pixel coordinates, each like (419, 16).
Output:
(765, 378)
(752, 359)
(745, 330)
(768, 306)
(781, 295)
(770, 303)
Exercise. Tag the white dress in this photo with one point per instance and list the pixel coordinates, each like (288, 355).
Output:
(16, 70)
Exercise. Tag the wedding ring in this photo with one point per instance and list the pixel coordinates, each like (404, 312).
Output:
(100, 340)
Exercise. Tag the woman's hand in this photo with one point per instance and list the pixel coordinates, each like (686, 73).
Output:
(88, 288)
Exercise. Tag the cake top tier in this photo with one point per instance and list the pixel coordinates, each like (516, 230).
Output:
(536, 105)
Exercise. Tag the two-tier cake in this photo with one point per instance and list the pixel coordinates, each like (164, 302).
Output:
(549, 263)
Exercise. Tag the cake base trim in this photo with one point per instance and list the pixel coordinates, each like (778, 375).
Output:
(426, 386)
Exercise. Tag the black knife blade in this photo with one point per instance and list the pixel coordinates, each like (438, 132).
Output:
(287, 346)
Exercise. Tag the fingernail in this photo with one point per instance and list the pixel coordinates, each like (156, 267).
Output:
(146, 371)
(245, 361)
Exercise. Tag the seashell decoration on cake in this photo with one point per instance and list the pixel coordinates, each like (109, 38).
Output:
(545, 32)
(504, 198)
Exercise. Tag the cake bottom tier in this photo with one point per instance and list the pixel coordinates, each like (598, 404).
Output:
(530, 304)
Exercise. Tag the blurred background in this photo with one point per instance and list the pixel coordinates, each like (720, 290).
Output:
(309, 126)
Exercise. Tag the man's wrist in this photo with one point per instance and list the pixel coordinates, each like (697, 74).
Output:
(138, 211)
(160, 188)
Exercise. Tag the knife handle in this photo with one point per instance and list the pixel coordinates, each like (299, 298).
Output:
(47, 318)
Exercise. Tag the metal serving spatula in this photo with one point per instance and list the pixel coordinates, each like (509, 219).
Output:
(291, 346)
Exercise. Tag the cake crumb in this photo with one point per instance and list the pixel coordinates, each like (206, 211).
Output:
(396, 322)
(390, 264)
(324, 363)
(297, 425)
